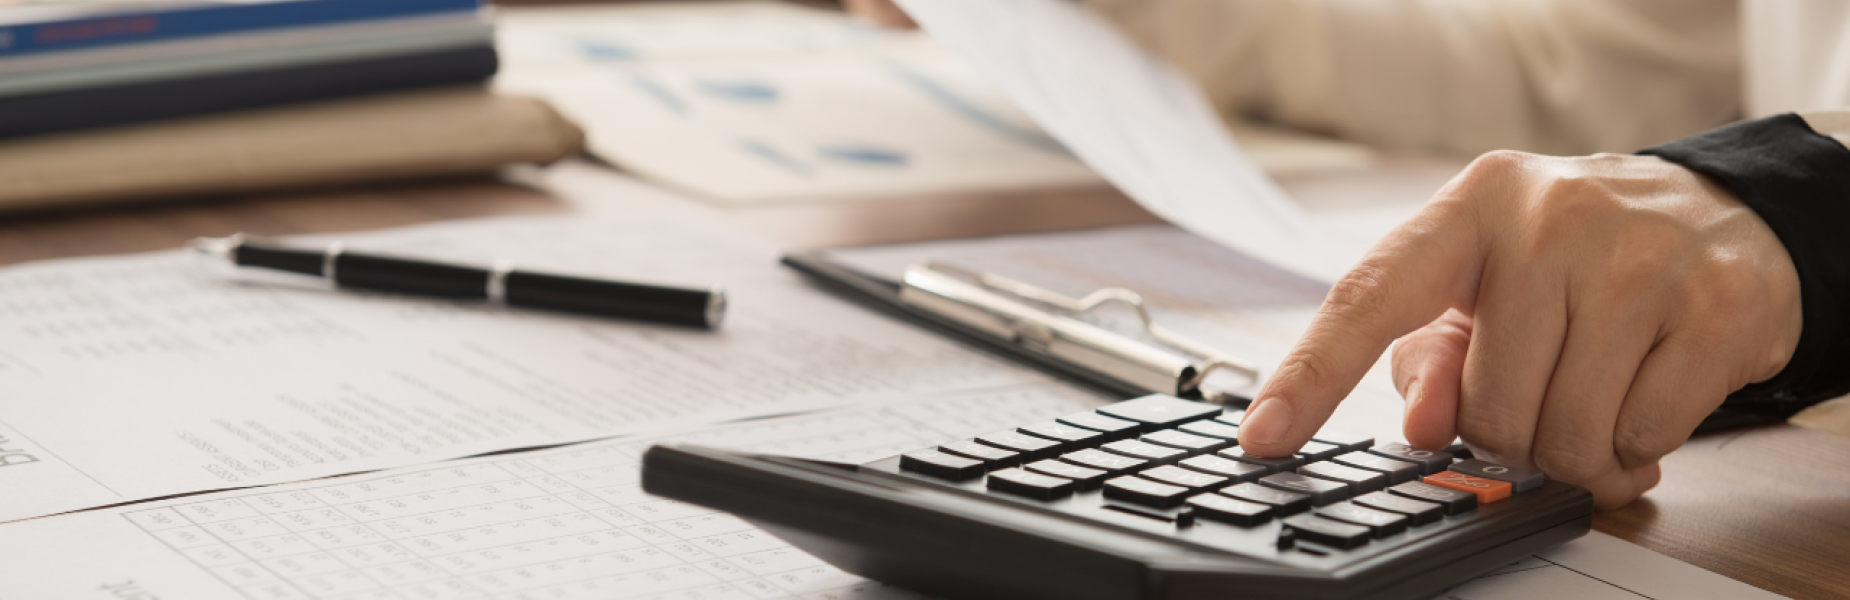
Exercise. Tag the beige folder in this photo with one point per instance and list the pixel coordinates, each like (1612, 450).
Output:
(417, 134)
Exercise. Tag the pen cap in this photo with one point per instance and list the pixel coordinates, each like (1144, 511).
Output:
(680, 306)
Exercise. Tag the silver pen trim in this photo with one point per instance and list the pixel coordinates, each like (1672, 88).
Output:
(328, 260)
(497, 281)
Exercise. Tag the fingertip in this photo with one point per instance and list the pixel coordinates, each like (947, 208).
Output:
(1431, 418)
(1266, 427)
(1647, 477)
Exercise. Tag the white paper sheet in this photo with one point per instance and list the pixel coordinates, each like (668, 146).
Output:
(557, 524)
(753, 102)
(572, 523)
(1136, 120)
(133, 377)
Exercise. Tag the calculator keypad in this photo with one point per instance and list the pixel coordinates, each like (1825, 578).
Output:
(1031, 448)
(1520, 480)
(1086, 478)
(1178, 462)
(939, 464)
(1487, 490)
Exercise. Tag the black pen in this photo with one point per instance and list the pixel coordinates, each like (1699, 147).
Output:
(500, 284)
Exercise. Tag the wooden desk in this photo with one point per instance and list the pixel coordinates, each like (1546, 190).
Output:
(1769, 506)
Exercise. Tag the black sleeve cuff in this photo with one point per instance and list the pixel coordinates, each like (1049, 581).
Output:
(1799, 182)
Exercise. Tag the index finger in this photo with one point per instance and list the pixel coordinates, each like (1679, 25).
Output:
(1427, 265)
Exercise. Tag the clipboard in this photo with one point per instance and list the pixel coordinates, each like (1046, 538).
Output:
(1043, 329)
(889, 294)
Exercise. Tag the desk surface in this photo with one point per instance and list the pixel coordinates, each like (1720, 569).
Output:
(1769, 505)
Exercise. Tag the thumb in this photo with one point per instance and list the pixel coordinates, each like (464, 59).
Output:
(1429, 369)
(1425, 266)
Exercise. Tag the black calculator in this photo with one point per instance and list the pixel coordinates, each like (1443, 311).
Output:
(1143, 499)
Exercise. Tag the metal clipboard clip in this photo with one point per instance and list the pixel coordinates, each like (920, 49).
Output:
(1002, 307)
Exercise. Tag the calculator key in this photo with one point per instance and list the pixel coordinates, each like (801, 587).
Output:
(1349, 441)
(938, 464)
(1231, 416)
(1087, 478)
(1421, 511)
(1359, 481)
(1143, 491)
(1032, 485)
(1430, 461)
(1520, 480)
(1174, 475)
(1272, 464)
(1233, 470)
(1315, 451)
(1397, 471)
(1321, 491)
(1159, 411)
(1213, 429)
(1031, 448)
(1070, 437)
(1112, 429)
(995, 457)
(1194, 444)
(1145, 450)
(1487, 490)
(1454, 501)
(1337, 534)
(1283, 502)
(1216, 507)
(1094, 458)
(1381, 523)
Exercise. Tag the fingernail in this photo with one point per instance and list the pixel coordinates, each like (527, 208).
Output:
(1266, 424)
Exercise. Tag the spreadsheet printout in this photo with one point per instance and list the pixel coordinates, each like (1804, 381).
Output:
(565, 523)
(141, 376)
(572, 522)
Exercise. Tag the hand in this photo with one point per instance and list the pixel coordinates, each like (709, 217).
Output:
(1579, 316)
(882, 12)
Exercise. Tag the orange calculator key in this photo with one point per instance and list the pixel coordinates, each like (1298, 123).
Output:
(1487, 490)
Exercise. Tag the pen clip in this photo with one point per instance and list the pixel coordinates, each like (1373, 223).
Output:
(994, 304)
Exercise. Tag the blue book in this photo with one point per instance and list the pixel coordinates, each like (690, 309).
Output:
(67, 26)
(155, 100)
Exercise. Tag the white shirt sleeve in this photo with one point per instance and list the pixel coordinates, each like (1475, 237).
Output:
(1797, 55)
(1833, 123)
(1464, 76)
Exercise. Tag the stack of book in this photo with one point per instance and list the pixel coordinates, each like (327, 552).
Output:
(79, 64)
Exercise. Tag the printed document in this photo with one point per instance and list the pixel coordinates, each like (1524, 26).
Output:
(760, 102)
(573, 523)
(1133, 118)
(141, 376)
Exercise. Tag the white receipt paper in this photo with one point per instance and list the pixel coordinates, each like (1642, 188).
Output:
(573, 523)
(135, 377)
(1131, 117)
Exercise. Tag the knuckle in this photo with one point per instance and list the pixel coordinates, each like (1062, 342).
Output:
(1499, 161)
(1308, 366)
(1363, 295)
(1492, 431)
(1489, 172)
(1575, 462)
(1569, 206)
(1641, 441)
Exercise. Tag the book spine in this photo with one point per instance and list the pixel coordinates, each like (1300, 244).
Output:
(136, 103)
(195, 21)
